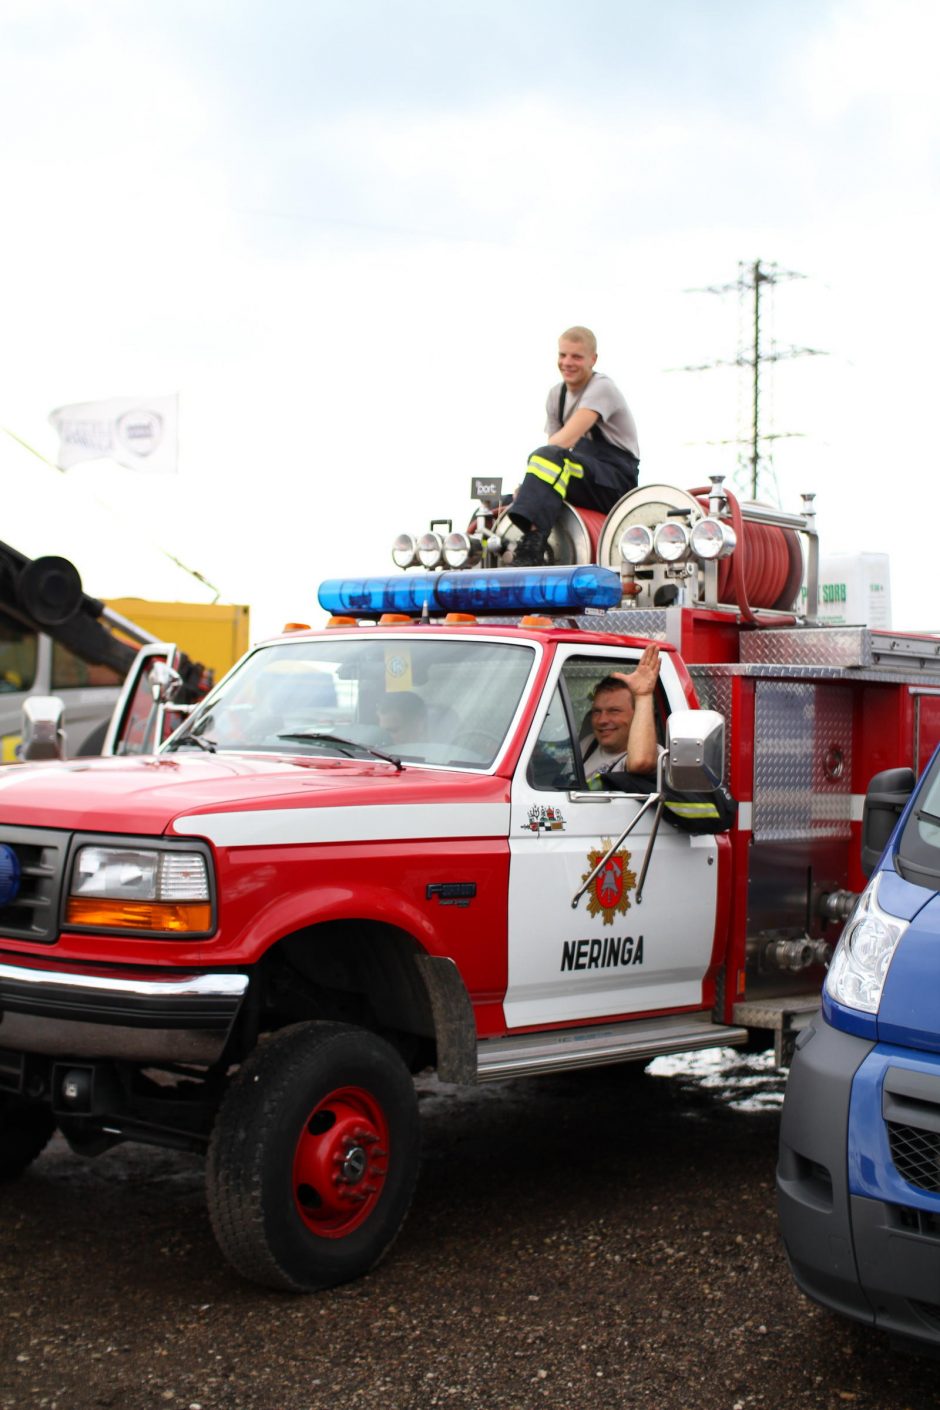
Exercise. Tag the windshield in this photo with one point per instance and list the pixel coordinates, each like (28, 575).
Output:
(435, 700)
(918, 858)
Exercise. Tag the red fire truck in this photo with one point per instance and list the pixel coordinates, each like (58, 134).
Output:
(247, 940)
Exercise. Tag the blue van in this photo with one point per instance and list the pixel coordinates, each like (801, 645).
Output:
(858, 1177)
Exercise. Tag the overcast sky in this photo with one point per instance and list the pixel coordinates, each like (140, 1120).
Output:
(348, 237)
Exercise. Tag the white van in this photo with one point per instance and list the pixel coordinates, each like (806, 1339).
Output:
(31, 663)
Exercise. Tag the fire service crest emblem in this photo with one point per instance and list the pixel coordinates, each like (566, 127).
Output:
(609, 893)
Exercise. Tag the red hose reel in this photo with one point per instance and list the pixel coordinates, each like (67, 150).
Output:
(766, 568)
(763, 572)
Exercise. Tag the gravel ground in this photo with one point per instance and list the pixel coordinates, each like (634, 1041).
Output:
(601, 1239)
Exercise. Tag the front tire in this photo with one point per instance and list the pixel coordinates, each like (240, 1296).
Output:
(314, 1157)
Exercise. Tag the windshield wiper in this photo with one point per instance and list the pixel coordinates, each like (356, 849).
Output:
(196, 741)
(324, 737)
(924, 816)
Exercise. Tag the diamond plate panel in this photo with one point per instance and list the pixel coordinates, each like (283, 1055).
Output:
(714, 693)
(802, 761)
(653, 622)
(808, 646)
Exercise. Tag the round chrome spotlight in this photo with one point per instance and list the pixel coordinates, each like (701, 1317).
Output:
(711, 539)
(671, 541)
(430, 549)
(636, 544)
(405, 551)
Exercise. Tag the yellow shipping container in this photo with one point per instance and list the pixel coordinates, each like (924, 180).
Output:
(216, 633)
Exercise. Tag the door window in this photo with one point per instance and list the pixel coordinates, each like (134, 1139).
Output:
(556, 761)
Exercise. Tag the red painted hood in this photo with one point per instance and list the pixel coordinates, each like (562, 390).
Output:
(145, 795)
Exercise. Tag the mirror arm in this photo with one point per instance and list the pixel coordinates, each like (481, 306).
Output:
(660, 801)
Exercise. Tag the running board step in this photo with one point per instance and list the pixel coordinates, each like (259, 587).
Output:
(784, 1017)
(566, 1049)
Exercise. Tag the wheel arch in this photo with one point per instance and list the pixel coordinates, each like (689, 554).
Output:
(376, 975)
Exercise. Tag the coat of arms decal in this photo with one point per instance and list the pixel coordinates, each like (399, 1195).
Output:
(609, 893)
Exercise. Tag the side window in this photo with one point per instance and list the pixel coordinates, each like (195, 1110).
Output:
(582, 674)
(554, 764)
(566, 733)
(133, 738)
(69, 671)
(135, 733)
(18, 651)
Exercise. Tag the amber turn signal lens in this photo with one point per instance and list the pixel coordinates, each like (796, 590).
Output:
(179, 916)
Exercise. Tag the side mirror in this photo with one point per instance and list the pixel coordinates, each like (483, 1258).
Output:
(885, 801)
(43, 736)
(165, 682)
(695, 750)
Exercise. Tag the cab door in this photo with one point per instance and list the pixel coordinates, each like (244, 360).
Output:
(142, 718)
(614, 954)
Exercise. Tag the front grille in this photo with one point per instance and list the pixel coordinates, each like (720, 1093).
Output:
(916, 1155)
(34, 914)
(915, 1221)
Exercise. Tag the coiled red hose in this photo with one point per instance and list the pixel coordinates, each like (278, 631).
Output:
(766, 568)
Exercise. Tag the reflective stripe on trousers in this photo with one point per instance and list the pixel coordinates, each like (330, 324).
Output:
(557, 476)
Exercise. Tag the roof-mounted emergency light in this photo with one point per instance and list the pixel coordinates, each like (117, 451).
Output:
(489, 592)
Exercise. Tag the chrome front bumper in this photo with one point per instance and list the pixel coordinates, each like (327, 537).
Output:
(135, 1014)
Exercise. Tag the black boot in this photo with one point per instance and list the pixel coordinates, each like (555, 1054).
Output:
(530, 551)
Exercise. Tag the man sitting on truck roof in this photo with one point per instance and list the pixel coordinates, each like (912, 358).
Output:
(592, 455)
(623, 721)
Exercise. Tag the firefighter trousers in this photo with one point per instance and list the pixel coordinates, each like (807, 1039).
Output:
(592, 475)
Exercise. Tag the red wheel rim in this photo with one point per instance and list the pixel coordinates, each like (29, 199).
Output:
(341, 1163)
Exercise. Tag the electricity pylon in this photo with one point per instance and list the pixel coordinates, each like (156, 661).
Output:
(753, 280)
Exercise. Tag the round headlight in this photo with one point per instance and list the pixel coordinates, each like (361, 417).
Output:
(636, 544)
(711, 538)
(404, 551)
(671, 541)
(430, 549)
(461, 550)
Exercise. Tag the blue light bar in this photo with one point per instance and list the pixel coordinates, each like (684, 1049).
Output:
(489, 592)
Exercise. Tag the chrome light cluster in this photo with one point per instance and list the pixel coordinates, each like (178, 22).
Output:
(433, 550)
(674, 542)
(864, 953)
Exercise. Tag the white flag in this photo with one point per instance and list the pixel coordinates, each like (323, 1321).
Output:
(139, 433)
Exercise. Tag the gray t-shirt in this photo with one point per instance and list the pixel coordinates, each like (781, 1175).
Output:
(615, 422)
(598, 760)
